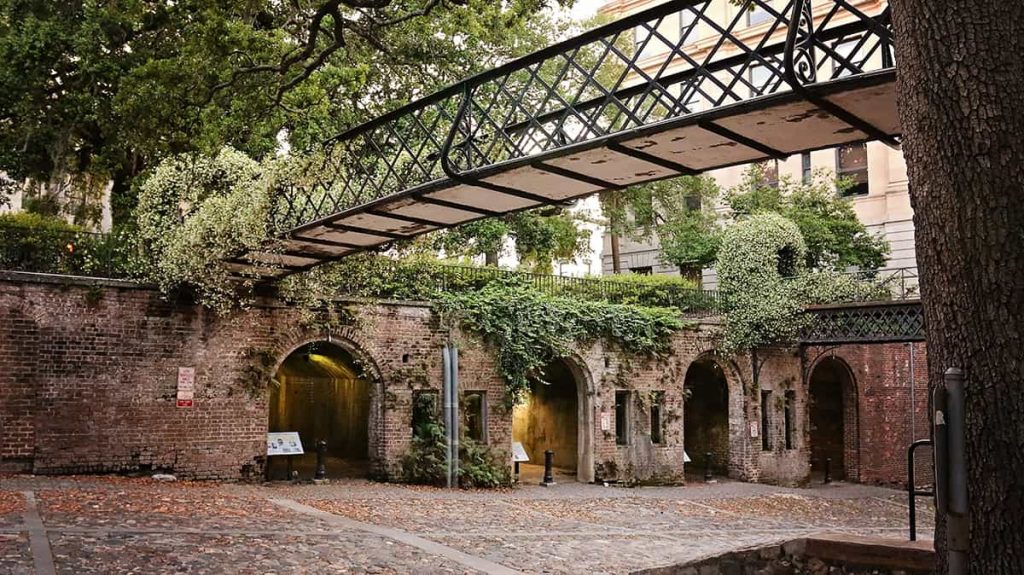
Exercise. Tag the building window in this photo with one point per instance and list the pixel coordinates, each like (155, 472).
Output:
(693, 103)
(622, 417)
(852, 165)
(758, 15)
(424, 411)
(805, 167)
(642, 270)
(845, 62)
(687, 20)
(474, 414)
(657, 426)
(766, 423)
(761, 79)
(789, 415)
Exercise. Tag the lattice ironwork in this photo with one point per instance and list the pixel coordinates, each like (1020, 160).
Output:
(578, 94)
(879, 322)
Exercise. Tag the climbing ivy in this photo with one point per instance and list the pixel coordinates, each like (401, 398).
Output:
(530, 329)
(763, 271)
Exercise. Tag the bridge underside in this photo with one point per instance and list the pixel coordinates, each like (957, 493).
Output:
(774, 126)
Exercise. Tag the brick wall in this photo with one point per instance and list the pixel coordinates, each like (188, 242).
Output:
(891, 387)
(88, 378)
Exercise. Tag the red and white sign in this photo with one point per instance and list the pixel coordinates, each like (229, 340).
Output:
(186, 386)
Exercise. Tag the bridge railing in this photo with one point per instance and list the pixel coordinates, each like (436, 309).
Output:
(680, 58)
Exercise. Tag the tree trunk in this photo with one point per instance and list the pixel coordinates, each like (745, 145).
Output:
(961, 99)
(616, 264)
(491, 258)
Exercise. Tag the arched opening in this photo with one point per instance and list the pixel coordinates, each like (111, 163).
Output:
(549, 418)
(832, 418)
(320, 395)
(706, 416)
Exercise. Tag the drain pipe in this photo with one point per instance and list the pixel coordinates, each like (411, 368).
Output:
(913, 403)
(446, 361)
(453, 381)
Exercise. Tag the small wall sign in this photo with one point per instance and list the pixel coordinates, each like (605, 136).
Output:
(606, 421)
(186, 386)
(753, 429)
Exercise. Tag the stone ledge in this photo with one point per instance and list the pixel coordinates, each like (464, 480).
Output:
(852, 554)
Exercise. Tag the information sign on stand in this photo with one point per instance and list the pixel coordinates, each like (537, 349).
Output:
(284, 443)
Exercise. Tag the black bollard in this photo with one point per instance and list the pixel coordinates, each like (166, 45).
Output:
(516, 466)
(707, 467)
(828, 470)
(549, 461)
(321, 467)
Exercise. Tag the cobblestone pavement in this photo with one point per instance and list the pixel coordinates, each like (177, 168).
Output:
(113, 525)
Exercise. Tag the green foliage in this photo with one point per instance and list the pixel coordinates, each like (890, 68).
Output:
(530, 329)
(196, 211)
(37, 243)
(834, 237)
(540, 236)
(98, 91)
(425, 462)
(762, 270)
(679, 212)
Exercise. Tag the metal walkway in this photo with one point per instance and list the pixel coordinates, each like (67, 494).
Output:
(682, 88)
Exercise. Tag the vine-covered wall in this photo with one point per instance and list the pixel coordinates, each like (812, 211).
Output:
(89, 377)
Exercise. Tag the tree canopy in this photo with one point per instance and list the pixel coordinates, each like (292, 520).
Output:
(93, 92)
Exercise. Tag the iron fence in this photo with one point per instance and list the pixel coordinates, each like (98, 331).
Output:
(63, 252)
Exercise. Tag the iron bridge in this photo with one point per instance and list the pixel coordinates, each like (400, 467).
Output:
(678, 89)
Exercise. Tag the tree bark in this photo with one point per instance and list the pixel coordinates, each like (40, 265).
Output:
(960, 83)
(616, 264)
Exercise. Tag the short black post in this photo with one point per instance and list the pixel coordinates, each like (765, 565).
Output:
(321, 467)
(828, 470)
(549, 461)
(516, 466)
(707, 467)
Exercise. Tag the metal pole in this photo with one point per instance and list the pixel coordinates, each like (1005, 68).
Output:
(321, 468)
(707, 466)
(446, 379)
(549, 461)
(912, 492)
(828, 470)
(958, 518)
(454, 382)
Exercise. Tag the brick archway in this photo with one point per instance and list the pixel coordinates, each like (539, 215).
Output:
(728, 436)
(833, 429)
(368, 368)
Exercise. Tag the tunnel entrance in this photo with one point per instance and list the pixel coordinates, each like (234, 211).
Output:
(706, 417)
(831, 417)
(549, 419)
(320, 395)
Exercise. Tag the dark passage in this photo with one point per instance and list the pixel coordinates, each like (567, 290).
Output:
(548, 419)
(828, 390)
(320, 396)
(706, 417)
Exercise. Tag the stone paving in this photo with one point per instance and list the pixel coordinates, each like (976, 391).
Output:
(93, 525)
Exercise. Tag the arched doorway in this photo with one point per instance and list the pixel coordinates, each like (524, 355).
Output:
(553, 417)
(319, 394)
(706, 416)
(832, 417)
